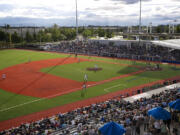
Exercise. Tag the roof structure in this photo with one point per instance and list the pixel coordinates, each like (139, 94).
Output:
(173, 43)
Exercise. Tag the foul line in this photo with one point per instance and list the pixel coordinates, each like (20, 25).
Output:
(107, 89)
(63, 93)
(21, 105)
(72, 90)
(6, 109)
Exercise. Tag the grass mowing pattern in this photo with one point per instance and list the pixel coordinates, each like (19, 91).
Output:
(13, 57)
(77, 71)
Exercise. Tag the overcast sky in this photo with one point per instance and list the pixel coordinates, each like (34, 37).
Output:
(91, 12)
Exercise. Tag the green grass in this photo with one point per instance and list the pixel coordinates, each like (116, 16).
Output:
(13, 57)
(77, 71)
(6, 97)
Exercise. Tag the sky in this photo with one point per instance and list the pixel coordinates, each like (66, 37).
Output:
(90, 12)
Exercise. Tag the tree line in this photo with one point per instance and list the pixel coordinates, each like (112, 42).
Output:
(56, 33)
(52, 34)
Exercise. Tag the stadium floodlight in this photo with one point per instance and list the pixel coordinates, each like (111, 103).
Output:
(76, 21)
(140, 18)
(150, 26)
(174, 23)
(147, 29)
(139, 21)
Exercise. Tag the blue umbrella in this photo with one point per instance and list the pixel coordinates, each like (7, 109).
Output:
(159, 113)
(112, 128)
(175, 104)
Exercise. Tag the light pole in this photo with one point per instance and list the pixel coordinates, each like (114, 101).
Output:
(139, 21)
(76, 21)
(174, 25)
(140, 18)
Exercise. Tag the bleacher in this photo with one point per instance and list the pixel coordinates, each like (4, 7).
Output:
(87, 120)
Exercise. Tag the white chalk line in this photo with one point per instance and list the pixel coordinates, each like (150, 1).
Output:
(6, 109)
(72, 90)
(30, 102)
(107, 89)
(21, 105)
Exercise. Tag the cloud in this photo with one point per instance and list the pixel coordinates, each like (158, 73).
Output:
(6, 7)
(130, 1)
(24, 21)
(104, 12)
(106, 8)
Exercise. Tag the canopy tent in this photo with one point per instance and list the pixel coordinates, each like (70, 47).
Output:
(159, 113)
(112, 128)
(175, 104)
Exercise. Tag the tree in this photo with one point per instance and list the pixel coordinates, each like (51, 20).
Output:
(101, 32)
(15, 38)
(62, 37)
(160, 29)
(46, 37)
(8, 38)
(55, 31)
(2, 36)
(81, 30)
(86, 33)
(178, 28)
(109, 34)
(55, 34)
(7, 26)
(34, 36)
(92, 31)
(70, 34)
(28, 37)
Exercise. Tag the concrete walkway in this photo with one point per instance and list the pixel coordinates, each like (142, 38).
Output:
(148, 94)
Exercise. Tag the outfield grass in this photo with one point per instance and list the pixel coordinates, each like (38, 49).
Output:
(13, 57)
(77, 71)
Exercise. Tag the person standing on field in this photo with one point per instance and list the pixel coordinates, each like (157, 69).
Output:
(85, 78)
(83, 90)
(3, 76)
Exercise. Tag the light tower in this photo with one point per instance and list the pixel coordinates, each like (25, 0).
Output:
(174, 24)
(139, 21)
(129, 29)
(171, 28)
(150, 27)
(76, 21)
(147, 29)
(140, 18)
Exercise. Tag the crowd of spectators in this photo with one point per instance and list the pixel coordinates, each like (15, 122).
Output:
(87, 120)
(144, 51)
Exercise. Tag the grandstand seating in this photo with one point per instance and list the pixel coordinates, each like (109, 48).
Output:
(143, 51)
(87, 120)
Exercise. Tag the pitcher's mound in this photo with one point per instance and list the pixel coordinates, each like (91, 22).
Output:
(94, 69)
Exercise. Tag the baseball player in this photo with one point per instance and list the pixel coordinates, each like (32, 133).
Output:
(3, 76)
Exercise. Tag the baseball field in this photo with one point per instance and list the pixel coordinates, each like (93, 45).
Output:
(41, 81)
